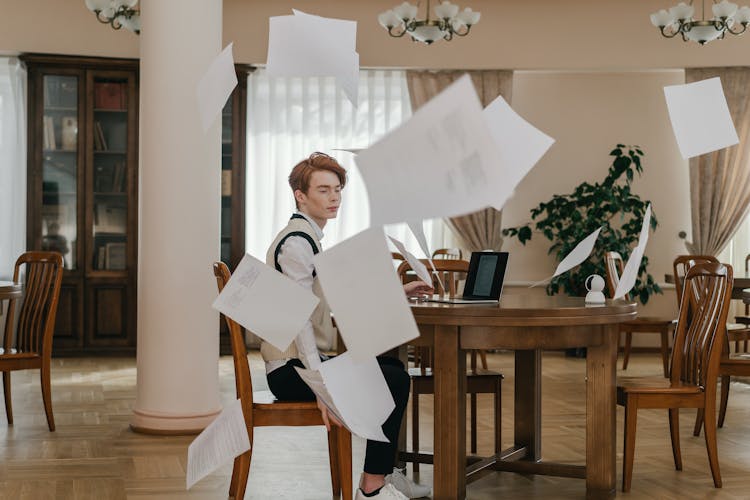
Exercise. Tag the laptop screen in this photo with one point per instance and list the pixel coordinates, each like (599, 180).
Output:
(486, 274)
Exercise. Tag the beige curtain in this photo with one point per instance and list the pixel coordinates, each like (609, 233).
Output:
(479, 230)
(720, 181)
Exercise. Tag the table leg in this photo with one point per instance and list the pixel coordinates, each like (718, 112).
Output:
(527, 418)
(449, 481)
(601, 429)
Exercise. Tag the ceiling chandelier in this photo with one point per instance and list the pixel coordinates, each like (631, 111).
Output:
(727, 18)
(449, 22)
(117, 13)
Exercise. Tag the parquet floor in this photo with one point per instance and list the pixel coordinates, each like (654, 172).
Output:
(94, 455)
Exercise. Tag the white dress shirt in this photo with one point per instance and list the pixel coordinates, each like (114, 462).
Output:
(296, 261)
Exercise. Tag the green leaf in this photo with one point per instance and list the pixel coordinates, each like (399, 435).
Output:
(524, 234)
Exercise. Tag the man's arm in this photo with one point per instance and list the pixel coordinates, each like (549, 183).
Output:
(296, 261)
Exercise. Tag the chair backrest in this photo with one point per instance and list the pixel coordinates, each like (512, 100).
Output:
(613, 265)
(682, 264)
(747, 271)
(36, 317)
(397, 256)
(699, 337)
(242, 379)
(449, 271)
(448, 253)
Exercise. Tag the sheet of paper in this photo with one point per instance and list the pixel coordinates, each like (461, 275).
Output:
(440, 163)
(630, 271)
(576, 256)
(519, 143)
(215, 87)
(266, 302)
(356, 392)
(417, 266)
(223, 440)
(417, 229)
(700, 117)
(365, 295)
(308, 45)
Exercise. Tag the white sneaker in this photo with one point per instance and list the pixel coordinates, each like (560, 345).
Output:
(387, 492)
(406, 486)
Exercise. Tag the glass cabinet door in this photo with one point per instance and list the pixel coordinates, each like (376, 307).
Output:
(109, 173)
(60, 166)
(226, 182)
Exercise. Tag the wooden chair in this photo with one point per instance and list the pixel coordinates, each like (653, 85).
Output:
(36, 325)
(448, 253)
(743, 320)
(660, 326)
(695, 365)
(478, 381)
(397, 256)
(267, 412)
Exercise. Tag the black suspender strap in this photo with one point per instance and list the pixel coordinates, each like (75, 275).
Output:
(304, 235)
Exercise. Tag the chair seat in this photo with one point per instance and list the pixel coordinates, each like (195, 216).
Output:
(427, 372)
(265, 400)
(733, 327)
(651, 385)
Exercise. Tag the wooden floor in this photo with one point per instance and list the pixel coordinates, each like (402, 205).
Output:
(94, 455)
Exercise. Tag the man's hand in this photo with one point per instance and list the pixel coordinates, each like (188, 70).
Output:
(415, 288)
(328, 417)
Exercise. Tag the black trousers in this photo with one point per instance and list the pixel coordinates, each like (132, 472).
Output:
(286, 385)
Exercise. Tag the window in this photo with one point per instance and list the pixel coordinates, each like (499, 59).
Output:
(289, 118)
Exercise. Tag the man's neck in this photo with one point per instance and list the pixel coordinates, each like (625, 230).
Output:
(320, 222)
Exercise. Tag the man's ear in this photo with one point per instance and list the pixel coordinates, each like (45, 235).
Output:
(299, 196)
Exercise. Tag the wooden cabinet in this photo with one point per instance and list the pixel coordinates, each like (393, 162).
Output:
(82, 194)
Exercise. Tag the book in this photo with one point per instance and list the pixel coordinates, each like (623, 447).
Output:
(226, 183)
(49, 128)
(69, 133)
(100, 144)
(109, 95)
(118, 179)
(115, 256)
(101, 257)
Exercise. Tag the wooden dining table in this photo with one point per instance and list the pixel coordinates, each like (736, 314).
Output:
(528, 325)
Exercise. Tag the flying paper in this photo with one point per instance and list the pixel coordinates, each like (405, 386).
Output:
(223, 440)
(266, 302)
(365, 295)
(519, 143)
(440, 163)
(700, 117)
(355, 391)
(417, 266)
(630, 271)
(308, 45)
(215, 87)
(579, 254)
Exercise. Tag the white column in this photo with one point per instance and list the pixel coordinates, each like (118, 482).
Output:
(179, 195)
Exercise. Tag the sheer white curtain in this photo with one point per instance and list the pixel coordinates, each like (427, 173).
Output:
(12, 163)
(289, 118)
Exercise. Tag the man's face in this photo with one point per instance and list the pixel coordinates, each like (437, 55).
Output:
(323, 197)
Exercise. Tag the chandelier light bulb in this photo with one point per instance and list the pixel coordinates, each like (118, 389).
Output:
(406, 11)
(724, 9)
(446, 10)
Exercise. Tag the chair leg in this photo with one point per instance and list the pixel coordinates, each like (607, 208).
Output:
(344, 453)
(47, 394)
(415, 429)
(725, 379)
(665, 352)
(473, 410)
(333, 459)
(483, 357)
(699, 415)
(631, 417)
(626, 350)
(498, 416)
(674, 433)
(709, 431)
(240, 472)
(6, 391)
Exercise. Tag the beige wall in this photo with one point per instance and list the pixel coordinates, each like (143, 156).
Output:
(539, 34)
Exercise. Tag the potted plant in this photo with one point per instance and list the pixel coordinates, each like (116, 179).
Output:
(567, 219)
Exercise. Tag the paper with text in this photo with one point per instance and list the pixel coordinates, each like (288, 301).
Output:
(520, 145)
(224, 439)
(440, 163)
(215, 87)
(266, 302)
(700, 117)
(307, 45)
(365, 295)
(355, 391)
(630, 271)
(576, 256)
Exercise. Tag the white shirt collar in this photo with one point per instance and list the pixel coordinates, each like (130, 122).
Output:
(316, 228)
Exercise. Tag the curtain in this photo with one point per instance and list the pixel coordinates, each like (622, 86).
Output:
(480, 230)
(289, 118)
(12, 163)
(720, 181)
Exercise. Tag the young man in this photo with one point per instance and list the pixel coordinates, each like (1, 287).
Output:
(317, 183)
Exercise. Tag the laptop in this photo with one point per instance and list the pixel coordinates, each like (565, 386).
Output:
(484, 280)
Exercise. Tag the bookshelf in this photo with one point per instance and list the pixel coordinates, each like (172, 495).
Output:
(82, 194)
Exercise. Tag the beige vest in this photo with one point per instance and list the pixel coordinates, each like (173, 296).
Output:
(325, 332)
